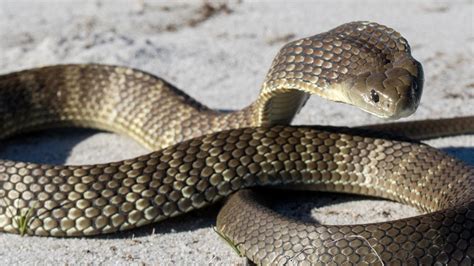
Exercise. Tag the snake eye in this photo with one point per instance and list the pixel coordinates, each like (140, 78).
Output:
(375, 96)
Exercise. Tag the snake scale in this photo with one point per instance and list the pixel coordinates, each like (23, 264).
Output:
(201, 156)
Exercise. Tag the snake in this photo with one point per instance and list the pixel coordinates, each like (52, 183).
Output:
(201, 156)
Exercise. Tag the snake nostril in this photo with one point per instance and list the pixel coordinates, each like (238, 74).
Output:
(374, 96)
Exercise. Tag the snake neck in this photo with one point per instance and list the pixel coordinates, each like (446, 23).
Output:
(276, 106)
(280, 108)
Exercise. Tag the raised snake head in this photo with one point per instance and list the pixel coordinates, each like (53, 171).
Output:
(364, 64)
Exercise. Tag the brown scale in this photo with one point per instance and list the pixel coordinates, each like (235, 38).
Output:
(194, 165)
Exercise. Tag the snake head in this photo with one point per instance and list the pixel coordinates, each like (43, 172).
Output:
(392, 92)
(360, 63)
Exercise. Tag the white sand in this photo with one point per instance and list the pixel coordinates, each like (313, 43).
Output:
(221, 61)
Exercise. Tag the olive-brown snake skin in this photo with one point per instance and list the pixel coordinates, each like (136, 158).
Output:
(202, 156)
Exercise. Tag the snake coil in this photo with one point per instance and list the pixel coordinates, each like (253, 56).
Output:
(202, 156)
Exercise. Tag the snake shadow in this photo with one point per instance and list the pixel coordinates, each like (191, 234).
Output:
(44, 146)
(465, 154)
(189, 222)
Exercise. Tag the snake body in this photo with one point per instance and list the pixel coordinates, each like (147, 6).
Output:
(202, 156)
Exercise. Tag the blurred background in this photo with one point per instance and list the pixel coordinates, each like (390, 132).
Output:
(218, 52)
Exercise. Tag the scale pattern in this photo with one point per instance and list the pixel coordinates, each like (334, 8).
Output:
(413, 174)
(202, 155)
(94, 199)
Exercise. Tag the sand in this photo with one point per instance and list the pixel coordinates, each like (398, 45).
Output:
(219, 54)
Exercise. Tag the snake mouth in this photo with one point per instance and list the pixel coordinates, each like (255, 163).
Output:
(410, 99)
(403, 107)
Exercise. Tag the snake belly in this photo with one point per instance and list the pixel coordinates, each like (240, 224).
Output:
(202, 155)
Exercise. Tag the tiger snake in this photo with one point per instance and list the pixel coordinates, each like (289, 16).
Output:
(202, 155)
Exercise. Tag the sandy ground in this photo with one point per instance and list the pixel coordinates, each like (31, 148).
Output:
(218, 54)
